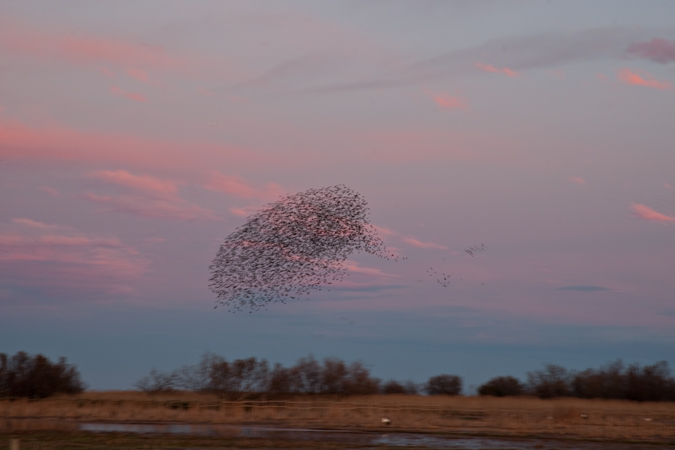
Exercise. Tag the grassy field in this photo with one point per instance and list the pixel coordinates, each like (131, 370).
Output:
(480, 416)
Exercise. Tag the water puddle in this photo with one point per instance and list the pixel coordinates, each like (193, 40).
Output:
(402, 440)
(353, 439)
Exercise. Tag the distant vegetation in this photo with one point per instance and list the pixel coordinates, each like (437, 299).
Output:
(252, 377)
(613, 381)
(23, 375)
(36, 376)
(249, 378)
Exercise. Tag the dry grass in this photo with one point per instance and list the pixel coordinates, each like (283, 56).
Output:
(518, 417)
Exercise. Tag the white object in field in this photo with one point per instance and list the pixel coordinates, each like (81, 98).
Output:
(584, 416)
(648, 419)
(386, 421)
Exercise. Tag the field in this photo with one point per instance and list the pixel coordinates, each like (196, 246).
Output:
(616, 421)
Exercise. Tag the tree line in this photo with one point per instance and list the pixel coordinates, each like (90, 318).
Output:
(36, 376)
(23, 375)
(253, 377)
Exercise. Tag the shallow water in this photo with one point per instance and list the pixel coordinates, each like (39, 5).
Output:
(395, 439)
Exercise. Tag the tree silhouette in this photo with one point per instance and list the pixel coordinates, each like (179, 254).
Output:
(292, 246)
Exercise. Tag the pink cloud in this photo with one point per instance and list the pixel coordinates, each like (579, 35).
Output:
(488, 68)
(577, 180)
(447, 101)
(107, 72)
(59, 143)
(244, 211)
(130, 95)
(384, 231)
(646, 213)
(356, 268)
(601, 76)
(668, 186)
(239, 187)
(144, 183)
(659, 50)
(24, 38)
(420, 244)
(139, 74)
(151, 208)
(642, 79)
(51, 191)
(63, 261)
(34, 224)
(145, 196)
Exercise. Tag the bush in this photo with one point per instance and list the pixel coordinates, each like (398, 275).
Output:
(650, 383)
(444, 385)
(607, 382)
(157, 382)
(552, 381)
(502, 387)
(37, 377)
(393, 387)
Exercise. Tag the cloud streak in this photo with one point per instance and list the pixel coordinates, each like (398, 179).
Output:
(55, 142)
(583, 288)
(238, 187)
(642, 78)
(130, 95)
(644, 212)
(145, 196)
(64, 262)
(507, 55)
(143, 183)
(447, 101)
(84, 49)
(420, 244)
(504, 70)
(658, 50)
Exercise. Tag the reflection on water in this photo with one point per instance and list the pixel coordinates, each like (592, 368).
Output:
(357, 438)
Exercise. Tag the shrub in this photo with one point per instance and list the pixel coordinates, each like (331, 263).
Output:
(37, 377)
(502, 387)
(607, 382)
(552, 381)
(157, 382)
(393, 387)
(444, 385)
(650, 383)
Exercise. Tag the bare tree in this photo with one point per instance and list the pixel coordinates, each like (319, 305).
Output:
(551, 381)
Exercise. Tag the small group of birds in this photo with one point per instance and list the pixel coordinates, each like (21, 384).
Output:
(475, 249)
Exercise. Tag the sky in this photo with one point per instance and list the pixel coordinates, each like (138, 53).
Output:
(136, 136)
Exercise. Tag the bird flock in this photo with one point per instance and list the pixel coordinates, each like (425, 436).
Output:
(296, 245)
(291, 247)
